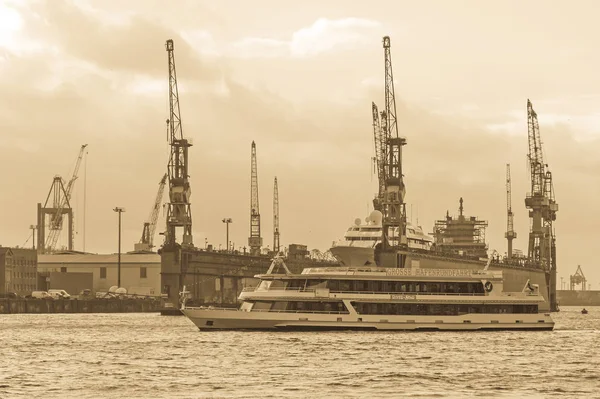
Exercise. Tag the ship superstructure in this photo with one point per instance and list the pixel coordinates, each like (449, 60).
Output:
(463, 235)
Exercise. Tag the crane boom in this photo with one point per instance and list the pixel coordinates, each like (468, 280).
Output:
(56, 220)
(380, 143)
(255, 239)
(535, 155)
(510, 232)
(147, 241)
(275, 217)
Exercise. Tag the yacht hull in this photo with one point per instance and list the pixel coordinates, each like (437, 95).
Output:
(354, 256)
(228, 319)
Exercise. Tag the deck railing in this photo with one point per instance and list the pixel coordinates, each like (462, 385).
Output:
(299, 289)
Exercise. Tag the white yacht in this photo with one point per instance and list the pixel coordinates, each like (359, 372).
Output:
(357, 248)
(378, 299)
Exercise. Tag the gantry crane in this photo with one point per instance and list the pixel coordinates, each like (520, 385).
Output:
(61, 206)
(179, 212)
(577, 278)
(542, 205)
(394, 208)
(275, 218)
(147, 241)
(255, 239)
(510, 234)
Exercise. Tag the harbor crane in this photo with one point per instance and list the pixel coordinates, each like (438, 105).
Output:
(578, 278)
(147, 241)
(275, 217)
(179, 213)
(510, 234)
(255, 240)
(542, 207)
(175, 256)
(61, 205)
(394, 208)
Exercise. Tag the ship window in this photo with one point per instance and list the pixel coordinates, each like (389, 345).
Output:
(296, 283)
(313, 284)
(262, 306)
(316, 307)
(437, 309)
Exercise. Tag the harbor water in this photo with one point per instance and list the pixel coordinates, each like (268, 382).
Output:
(141, 355)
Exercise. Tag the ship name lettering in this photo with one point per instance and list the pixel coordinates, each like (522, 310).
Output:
(403, 296)
(429, 272)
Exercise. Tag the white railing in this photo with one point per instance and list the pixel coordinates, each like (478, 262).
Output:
(302, 311)
(367, 292)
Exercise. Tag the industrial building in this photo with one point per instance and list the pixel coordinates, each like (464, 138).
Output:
(140, 273)
(18, 270)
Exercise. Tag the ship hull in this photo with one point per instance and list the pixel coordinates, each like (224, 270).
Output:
(227, 319)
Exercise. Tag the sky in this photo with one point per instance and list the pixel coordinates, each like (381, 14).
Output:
(298, 79)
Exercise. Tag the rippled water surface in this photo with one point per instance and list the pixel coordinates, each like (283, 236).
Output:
(152, 356)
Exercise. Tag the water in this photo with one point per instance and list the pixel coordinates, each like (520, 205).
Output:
(152, 356)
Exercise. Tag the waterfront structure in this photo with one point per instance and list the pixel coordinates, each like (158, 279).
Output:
(18, 270)
(140, 273)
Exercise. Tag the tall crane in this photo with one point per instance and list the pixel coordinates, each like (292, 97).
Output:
(147, 241)
(179, 212)
(255, 239)
(380, 147)
(394, 208)
(510, 234)
(275, 217)
(542, 205)
(61, 206)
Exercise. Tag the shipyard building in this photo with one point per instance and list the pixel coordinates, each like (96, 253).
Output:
(73, 272)
(18, 270)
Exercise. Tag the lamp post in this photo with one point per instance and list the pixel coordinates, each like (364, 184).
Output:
(227, 221)
(33, 227)
(119, 211)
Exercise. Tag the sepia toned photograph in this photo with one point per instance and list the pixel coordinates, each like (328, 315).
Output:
(391, 199)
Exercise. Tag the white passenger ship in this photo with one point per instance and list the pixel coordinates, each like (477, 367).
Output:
(378, 299)
(357, 248)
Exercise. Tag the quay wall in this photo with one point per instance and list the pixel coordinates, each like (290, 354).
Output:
(113, 305)
(578, 298)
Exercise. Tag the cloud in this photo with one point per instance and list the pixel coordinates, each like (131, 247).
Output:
(135, 44)
(323, 36)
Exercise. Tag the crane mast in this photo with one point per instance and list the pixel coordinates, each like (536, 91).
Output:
(61, 203)
(275, 218)
(147, 241)
(510, 234)
(255, 239)
(394, 209)
(179, 213)
(542, 207)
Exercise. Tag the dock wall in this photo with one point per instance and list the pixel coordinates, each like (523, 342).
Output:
(115, 305)
(578, 298)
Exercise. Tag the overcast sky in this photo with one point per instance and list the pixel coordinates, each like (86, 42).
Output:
(299, 80)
